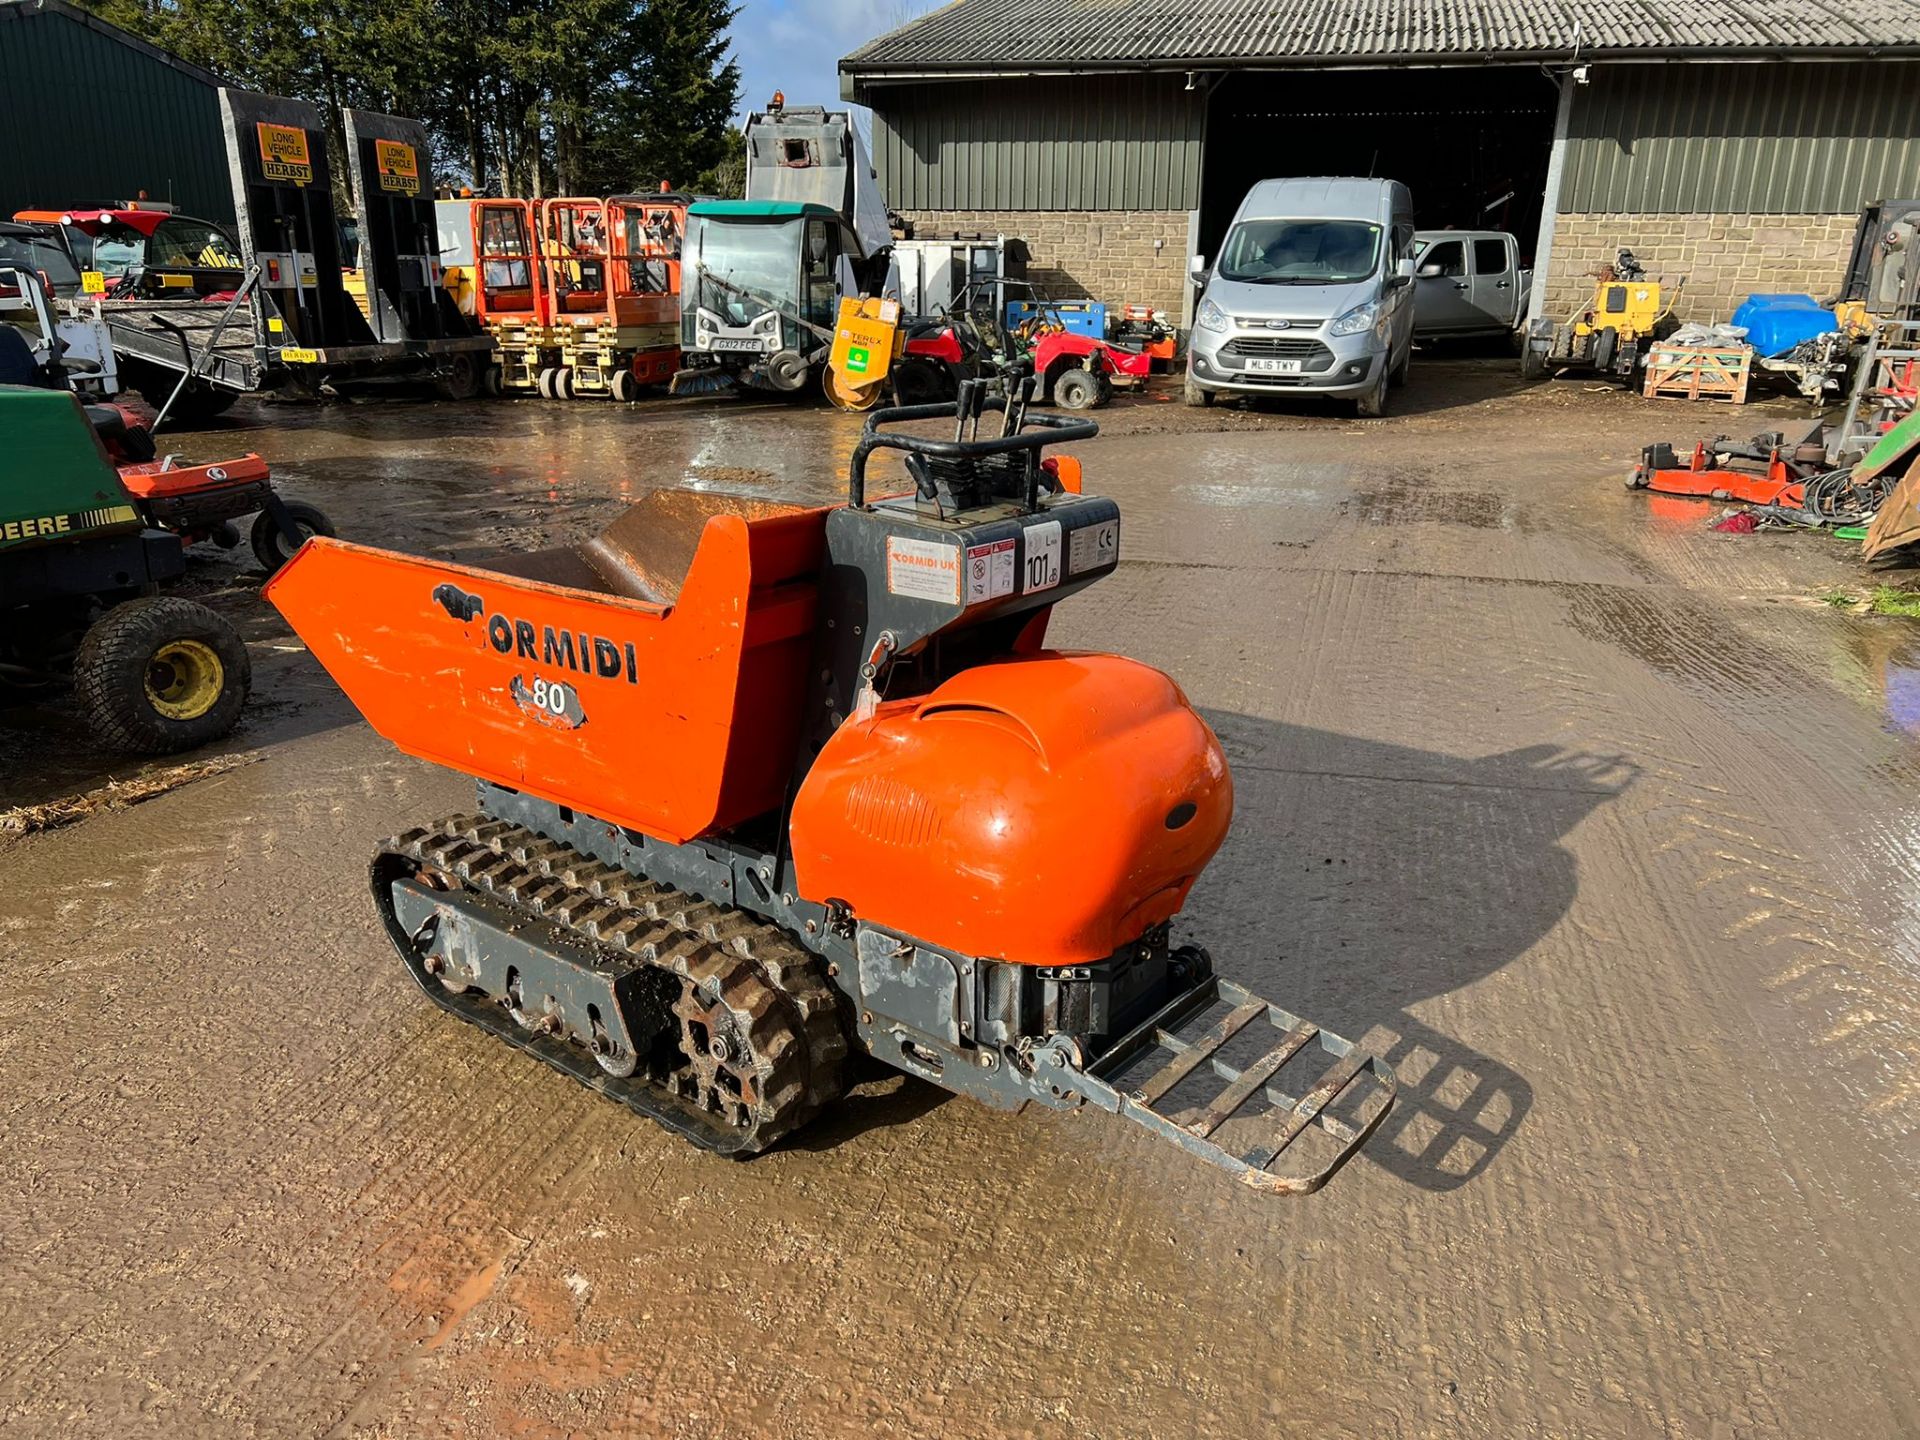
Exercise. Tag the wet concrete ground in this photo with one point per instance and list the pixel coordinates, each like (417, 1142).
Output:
(1599, 824)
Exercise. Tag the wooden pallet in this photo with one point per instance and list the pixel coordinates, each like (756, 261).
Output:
(1699, 372)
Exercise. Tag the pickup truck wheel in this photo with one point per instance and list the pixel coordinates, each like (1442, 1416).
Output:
(1399, 373)
(1197, 395)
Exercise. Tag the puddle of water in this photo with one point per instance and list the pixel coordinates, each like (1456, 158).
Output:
(1881, 662)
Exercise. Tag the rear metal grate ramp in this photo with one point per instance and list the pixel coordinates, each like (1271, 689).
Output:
(1246, 1086)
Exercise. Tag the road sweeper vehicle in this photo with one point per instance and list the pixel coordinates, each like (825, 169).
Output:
(762, 278)
(759, 784)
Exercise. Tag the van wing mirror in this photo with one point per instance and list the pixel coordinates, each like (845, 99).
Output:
(1406, 269)
(1197, 268)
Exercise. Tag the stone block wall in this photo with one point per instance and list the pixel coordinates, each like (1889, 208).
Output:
(1116, 256)
(1724, 257)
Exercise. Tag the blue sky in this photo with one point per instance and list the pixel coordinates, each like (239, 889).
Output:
(794, 45)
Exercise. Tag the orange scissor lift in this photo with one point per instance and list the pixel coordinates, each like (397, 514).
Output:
(759, 784)
(612, 270)
(509, 297)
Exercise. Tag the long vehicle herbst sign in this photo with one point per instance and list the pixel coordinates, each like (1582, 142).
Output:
(284, 155)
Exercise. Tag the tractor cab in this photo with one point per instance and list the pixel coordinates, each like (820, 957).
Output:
(762, 281)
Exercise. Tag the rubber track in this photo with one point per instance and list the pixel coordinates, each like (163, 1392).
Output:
(792, 1013)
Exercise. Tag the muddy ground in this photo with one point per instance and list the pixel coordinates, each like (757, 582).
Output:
(1600, 825)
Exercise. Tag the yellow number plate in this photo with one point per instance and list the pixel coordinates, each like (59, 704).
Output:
(92, 282)
(300, 357)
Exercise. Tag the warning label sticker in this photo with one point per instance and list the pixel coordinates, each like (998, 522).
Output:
(1093, 546)
(284, 154)
(924, 569)
(989, 571)
(1043, 556)
(398, 167)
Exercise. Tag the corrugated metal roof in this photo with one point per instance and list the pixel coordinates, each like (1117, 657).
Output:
(1001, 35)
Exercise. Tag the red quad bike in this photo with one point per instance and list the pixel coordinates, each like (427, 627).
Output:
(1075, 372)
(201, 501)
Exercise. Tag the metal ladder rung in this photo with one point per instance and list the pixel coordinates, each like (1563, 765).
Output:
(1251, 1079)
(1189, 1057)
(1311, 1104)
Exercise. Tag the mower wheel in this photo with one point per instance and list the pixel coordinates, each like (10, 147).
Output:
(1076, 389)
(161, 674)
(1198, 395)
(270, 547)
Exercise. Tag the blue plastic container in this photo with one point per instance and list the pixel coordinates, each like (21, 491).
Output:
(1777, 323)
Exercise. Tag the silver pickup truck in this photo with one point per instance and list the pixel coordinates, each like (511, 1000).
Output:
(1468, 283)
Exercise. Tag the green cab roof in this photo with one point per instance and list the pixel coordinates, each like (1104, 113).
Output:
(759, 209)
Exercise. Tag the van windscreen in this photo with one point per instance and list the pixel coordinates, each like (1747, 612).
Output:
(1300, 252)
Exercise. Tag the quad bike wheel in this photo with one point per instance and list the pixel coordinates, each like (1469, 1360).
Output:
(160, 674)
(270, 547)
(1077, 389)
(920, 382)
(1198, 396)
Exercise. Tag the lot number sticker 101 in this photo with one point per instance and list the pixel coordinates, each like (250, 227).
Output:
(1043, 556)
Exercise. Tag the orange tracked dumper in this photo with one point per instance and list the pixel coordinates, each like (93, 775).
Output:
(758, 784)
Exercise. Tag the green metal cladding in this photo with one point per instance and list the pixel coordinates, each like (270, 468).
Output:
(1772, 138)
(1106, 142)
(93, 114)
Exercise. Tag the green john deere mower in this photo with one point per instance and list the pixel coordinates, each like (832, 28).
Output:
(79, 571)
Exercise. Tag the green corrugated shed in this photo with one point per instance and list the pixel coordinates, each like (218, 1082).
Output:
(1808, 139)
(1107, 142)
(93, 113)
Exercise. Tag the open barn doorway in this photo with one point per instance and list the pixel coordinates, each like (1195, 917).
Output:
(1471, 143)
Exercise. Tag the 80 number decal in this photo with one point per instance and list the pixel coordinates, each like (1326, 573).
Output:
(552, 702)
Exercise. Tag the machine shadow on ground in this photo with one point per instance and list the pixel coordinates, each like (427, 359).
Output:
(1363, 878)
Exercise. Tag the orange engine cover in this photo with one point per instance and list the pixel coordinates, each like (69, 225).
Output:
(1044, 810)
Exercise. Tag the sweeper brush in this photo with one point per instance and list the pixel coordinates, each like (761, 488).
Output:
(760, 785)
